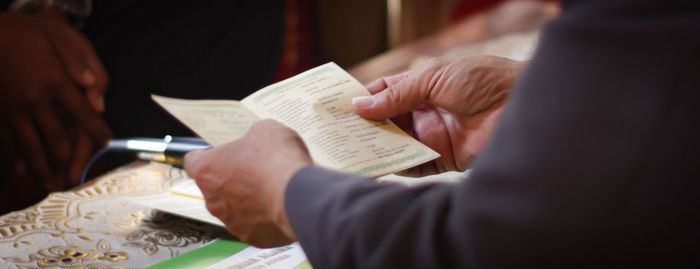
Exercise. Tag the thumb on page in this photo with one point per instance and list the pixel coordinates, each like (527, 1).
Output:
(395, 100)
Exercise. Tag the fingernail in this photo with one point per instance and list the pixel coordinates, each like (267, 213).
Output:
(363, 101)
(89, 77)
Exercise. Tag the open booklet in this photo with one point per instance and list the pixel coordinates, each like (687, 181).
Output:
(317, 105)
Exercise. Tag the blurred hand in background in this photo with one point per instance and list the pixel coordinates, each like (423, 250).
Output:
(52, 84)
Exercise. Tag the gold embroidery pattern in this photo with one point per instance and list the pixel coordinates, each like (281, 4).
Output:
(170, 232)
(94, 227)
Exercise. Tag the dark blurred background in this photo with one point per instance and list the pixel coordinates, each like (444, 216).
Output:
(229, 49)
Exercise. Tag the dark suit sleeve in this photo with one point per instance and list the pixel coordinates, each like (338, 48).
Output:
(594, 162)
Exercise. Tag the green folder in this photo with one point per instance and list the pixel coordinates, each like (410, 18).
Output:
(210, 254)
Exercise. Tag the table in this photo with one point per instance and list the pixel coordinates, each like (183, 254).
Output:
(95, 227)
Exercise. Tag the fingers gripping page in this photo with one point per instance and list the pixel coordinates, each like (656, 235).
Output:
(317, 104)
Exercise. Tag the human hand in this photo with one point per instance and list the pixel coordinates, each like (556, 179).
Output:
(243, 182)
(52, 85)
(451, 105)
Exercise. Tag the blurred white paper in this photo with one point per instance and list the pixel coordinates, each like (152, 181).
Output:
(184, 199)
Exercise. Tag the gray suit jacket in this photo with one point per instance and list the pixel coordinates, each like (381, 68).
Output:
(594, 162)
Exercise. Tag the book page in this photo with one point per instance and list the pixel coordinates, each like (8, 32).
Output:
(187, 188)
(317, 104)
(215, 121)
(177, 204)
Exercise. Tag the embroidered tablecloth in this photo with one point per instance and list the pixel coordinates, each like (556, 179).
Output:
(95, 227)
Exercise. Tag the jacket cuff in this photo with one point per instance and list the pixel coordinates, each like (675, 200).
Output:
(309, 194)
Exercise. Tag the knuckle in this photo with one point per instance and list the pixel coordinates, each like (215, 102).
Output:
(195, 163)
(477, 72)
(195, 169)
(392, 95)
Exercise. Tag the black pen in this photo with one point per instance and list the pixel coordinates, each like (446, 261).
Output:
(168, 150)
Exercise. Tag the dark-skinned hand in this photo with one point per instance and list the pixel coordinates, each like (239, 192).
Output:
(52, 84)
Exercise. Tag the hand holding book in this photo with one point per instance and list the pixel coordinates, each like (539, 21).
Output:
(244, 181)
(317, 105)
(451, 105)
